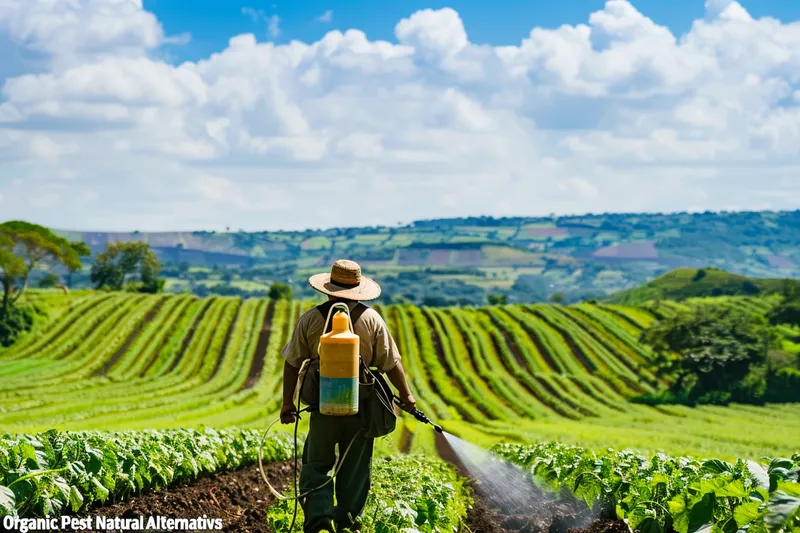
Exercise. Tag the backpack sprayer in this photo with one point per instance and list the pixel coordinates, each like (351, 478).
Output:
(339, 358)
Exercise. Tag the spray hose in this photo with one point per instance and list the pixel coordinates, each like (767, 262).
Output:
(272, 489)
(416, 413)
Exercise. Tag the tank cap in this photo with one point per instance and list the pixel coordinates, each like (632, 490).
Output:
(340, 322)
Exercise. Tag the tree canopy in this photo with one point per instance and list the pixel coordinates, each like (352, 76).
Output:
(127, 265)
(709, 350)
(497, 299)
(280, 291)
(24, 247)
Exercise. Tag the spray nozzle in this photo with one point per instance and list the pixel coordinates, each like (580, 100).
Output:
(419, 415)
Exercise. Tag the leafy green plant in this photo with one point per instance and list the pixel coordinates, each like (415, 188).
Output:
(409, 494)
(54, 472)
(661, 494)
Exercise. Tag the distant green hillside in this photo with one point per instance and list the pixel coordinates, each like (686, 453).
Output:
(685, 283)
(463, 260)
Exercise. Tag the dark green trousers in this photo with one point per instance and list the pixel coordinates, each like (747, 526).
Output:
(352, 483)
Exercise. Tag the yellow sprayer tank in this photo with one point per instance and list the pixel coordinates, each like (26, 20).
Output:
(338, 368)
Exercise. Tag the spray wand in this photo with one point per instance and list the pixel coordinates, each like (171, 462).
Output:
(419, 415)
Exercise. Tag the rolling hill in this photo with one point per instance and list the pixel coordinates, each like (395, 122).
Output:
(461, 261)
(684, 283)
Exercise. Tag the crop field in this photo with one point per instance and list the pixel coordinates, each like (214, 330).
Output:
(122, 372)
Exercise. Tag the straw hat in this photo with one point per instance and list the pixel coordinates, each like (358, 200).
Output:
(345, 281)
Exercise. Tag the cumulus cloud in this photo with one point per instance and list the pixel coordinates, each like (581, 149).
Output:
(614, 114)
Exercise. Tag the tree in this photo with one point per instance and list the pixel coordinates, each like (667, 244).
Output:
(131, 265)
(530, 288)
(183, 268)
(49, 281)
(280, 291)
(787, 313)
(749, 288)
(558, 298)
(24, 247)
(790, 290)
(708, 350)
(497, 299)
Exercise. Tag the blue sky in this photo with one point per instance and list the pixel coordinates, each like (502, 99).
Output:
(607, 106)
(501, 22)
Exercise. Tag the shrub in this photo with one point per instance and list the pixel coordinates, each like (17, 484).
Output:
(752, 389)
(788, 313)
(13, 323)
(497, 299)
(280, 291)
(784, 386)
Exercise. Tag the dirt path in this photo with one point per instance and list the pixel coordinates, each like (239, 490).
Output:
(531, 511)
(257, 364)
(122, 350)
(240, 499)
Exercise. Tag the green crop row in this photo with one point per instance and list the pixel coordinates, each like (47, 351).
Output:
(408, 493)
(126, 361)
(662, 494)
(52, 473)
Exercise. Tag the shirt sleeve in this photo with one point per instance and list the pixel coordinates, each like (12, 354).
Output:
(385, 354)
(297, 350)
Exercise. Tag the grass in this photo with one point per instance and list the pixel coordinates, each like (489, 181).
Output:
(685, 283)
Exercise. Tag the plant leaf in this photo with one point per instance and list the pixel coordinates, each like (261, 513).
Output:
(780, 508)
(716, 466)
(790, 488)
(75, 499)
(759, 474)
(7, 501)
(701, 515)
(746, 513)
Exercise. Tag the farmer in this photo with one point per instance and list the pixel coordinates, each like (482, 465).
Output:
(378, 350)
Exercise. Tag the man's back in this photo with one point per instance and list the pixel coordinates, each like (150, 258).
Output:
(378, 348)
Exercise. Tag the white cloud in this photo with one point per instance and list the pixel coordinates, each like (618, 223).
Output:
(616, 114)
(273, 27)
(182, 39)
(582, 187)
(79, 29)
(255, 14)
(259, 16)
(326, 17)
(44, 148)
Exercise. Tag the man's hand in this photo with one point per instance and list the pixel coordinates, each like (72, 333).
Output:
(407, 403)
(288, 415)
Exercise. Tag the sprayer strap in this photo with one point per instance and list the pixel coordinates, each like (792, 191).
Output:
(355, 314)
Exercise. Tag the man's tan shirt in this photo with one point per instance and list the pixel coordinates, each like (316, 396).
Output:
(378, 348)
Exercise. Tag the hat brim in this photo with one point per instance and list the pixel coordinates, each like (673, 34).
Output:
(368, 289)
